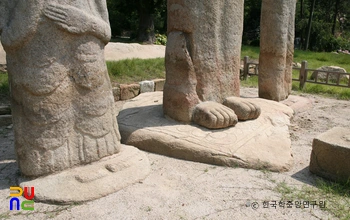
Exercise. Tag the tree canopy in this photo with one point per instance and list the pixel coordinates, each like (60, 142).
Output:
(139, 18)
(330, 26)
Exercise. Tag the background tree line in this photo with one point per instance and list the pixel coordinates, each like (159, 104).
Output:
(327, 21)
(139, 19)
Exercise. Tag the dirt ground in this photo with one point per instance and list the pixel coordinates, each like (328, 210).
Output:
(177, 189)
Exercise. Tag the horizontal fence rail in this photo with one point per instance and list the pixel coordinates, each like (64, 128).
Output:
(333, 78)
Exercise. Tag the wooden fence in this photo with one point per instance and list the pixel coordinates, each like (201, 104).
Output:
(332, 78)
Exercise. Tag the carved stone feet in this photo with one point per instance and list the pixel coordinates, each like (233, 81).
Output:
(244, 110)
(214, 115)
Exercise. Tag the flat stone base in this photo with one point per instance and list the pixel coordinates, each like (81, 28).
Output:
(330, 156)
(298, 103)
(92, 181)
(263, 143)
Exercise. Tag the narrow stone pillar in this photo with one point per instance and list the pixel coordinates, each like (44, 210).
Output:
(276, 49)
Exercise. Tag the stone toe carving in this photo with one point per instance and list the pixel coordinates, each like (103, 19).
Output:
(214, 115)
(244, 110)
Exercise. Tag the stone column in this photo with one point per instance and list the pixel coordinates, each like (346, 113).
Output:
(276, 49)
(203, 54)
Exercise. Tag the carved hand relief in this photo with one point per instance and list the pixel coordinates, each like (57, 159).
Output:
(68, 17)
(81, 17)
(63, 106)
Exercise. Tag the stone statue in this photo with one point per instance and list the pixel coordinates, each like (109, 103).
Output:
(203, 62)
(276, 49)
(62, 101)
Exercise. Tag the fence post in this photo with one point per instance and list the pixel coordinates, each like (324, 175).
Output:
(245, 67)
(303, 74)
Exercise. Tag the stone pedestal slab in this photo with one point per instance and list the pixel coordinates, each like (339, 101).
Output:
(92, 181)
(263, 143)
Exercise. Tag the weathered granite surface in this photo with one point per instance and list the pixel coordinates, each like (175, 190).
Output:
(276, 49)
(209, 34)
(261, 143)
(62, 101)
(94, 180)
(330, 156)
(202, 62)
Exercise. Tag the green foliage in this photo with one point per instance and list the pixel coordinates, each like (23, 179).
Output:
(344, 42)
(252, 52)
(251, 30)
(318, 59)
(4, 88)
(328, 91)
(137, 19)
(341, 189)
(330, 27)
(161, 39)
(335, 195)
(136, 70)
(251, 82)
(315, 60)
(122, 16)
(323, 40)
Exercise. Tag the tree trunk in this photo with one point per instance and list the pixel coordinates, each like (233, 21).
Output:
(309, 24)
(301, 18)
(335, 16)
(146, 27)
(301, 9)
